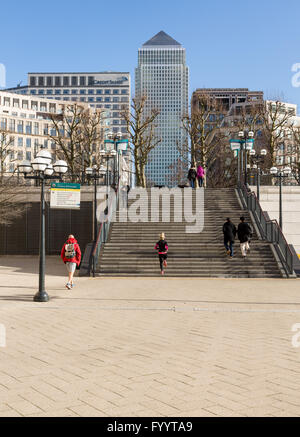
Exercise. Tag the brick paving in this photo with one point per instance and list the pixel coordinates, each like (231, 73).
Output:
(147, 346)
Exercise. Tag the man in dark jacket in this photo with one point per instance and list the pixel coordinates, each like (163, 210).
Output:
(192, 174)
(244, 235)
(229, 231)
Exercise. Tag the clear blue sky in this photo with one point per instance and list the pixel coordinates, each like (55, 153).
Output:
(229, 43)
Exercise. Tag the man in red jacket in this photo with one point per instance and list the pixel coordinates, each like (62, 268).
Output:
(71, 256)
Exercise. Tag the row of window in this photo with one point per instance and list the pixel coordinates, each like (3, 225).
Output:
(26, 104)
(76, 91)
(61, 80)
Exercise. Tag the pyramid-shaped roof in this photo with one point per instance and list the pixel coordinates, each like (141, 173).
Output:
(162, 39)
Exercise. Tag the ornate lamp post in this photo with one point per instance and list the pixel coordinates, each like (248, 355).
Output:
(257, 158)
(280, 174)
(246, 145)
(42, 170)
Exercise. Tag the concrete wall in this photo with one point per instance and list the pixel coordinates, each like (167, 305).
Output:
(269, 200)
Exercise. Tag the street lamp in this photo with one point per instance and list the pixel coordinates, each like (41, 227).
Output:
(42, 168)
(93, 173)
(257, 158)
(280, 174)
(116, 140)
(245, 136)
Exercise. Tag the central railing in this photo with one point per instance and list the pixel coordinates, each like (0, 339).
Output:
(103, 232)
(269, 229)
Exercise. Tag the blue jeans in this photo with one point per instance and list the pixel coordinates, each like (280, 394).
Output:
(229, 246)
(200, 181)
(192, 183)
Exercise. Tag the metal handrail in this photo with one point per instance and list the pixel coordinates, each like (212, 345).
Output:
(270, 230)
(102, 234)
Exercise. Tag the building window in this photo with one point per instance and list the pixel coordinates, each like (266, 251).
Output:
(90, 91)
(107, 99)
(20, 142)
(29, 127)
(41, 91)
(66, 81)
(36, 128)
(28, 156)
(99, 99)
(91, 80)
(99, 92)
(28, 142)
(57, 81)
(34, 106)
(66, 91)
(32, 91)
(49, 92)
(107, 92)
(32, 81)
(57, 91)
(90, 99)
(74, 91)
(115, 91)
(49, 81)
(82, 80)
(20, 127)
(12, 125)
(74, 81)
(41, 81)
(82, 91)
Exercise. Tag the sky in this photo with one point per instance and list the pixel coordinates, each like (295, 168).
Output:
(233, 44)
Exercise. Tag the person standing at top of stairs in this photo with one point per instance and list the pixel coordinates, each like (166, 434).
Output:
(162, 247)
(192, 175)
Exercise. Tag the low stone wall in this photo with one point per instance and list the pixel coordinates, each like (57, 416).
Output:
(269, 200)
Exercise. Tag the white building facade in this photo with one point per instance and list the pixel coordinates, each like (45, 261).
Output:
(162, 76)
(109, 91)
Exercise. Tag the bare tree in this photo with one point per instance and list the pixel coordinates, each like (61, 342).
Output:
(11, 206)
(6, 150)
(68, 136)
(91, 137)
(142, 135)
(277, 120)
(204, 131)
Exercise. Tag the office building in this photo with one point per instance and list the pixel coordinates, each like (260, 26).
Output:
(162, 76)
(109, 91)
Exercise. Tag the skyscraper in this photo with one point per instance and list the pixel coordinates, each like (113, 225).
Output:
(162, 76)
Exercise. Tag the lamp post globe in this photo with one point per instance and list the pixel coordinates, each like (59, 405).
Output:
(45, 155)
(39, 164)
(274, 170)
(60, 167)
(49, 170)
(25, 167)
(263, 152)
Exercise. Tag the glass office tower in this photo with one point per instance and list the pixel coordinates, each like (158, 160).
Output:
(162, 76)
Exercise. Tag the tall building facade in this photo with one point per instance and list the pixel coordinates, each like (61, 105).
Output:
(105, 90)
(162, 76)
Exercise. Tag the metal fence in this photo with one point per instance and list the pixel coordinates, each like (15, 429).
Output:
(269, 229)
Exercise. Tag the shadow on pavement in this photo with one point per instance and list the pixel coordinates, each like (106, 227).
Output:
(30, 264)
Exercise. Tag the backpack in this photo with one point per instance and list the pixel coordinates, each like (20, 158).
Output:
(192, 174)
(70, 251)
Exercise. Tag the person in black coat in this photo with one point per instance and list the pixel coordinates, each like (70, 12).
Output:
(229, 231)
(192, 174)
(244, 235)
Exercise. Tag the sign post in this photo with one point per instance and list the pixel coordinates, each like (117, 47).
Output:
(64, 195)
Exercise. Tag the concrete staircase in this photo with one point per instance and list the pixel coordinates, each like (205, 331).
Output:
(130, 248)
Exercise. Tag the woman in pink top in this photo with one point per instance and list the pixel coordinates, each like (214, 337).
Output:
(200, 175)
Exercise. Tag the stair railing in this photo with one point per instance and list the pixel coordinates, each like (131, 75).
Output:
(269, 229)
(103, 232)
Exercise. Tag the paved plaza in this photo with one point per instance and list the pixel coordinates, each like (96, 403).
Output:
(147, 346)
